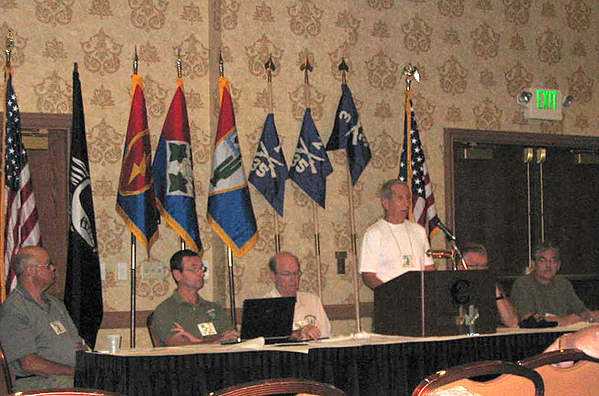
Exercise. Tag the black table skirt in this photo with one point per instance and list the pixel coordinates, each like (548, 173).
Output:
(393, 369)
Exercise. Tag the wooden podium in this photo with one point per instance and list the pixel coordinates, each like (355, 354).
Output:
(427, 303)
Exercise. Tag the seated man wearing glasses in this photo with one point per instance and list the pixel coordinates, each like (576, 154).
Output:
(37, 334)
(544, 294)
(185, 317)
(309, 320)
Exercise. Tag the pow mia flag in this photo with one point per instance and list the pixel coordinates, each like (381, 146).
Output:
(83, 289)
(269, 169)
(311, 166)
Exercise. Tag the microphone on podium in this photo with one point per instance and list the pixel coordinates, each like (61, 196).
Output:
(437, 223)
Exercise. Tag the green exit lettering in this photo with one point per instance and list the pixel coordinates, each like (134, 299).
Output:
(546, 100)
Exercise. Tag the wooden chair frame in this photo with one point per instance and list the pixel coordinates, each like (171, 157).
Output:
(66, 392)
(487, 367)
(280, 386)
(152, 331)
(6, 376)
(554, 357)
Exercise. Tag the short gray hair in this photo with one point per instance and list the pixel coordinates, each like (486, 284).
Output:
(544, 247)
(471, 247)
(21, 262)
(386, 191)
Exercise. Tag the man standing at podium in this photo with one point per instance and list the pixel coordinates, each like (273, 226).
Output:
(393, 245)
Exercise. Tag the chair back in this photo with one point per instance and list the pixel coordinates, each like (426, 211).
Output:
(5, 377)
(280, 386)
(152, 330)
(515, 380)
(580, 378)
(66, 392)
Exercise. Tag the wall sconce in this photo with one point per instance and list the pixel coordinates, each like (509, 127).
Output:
(568, 101)
(523, 98)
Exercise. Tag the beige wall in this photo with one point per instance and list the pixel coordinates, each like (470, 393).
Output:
(474, 57)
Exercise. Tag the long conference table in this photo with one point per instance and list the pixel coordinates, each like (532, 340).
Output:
(360, 365)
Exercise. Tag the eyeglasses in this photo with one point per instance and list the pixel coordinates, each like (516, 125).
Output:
(48, 265)
(203, 268)
(543, 260)
(289, 273)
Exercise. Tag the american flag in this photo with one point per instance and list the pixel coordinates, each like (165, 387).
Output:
(22, 226)
(413, 170)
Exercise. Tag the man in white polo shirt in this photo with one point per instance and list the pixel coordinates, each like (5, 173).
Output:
(393, 245)
(310, 319)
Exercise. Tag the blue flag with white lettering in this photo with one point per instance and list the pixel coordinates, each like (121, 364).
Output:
(269, 169)
(348, 134)
(311, 166)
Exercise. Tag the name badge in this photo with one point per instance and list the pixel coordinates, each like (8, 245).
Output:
(58, 327)
(207, 329)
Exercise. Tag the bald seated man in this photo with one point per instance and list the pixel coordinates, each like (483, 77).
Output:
(185, 317)
(38, 336)
(310, 321)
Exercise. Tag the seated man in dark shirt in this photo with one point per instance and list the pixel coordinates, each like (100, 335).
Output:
(543, 293)
(185, 317)
(477, 258)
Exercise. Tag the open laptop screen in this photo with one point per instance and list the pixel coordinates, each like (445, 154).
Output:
(271, 318)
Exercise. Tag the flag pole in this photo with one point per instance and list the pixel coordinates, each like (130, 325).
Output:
(133, 259)
(306, 67)
(10, 43)
(270, 68)
(410, 72)
(179, 76)
(221, 72)
(344, 68)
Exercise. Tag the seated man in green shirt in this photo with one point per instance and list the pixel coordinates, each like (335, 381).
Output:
(38, 335)
(543, 293)
(185, 317)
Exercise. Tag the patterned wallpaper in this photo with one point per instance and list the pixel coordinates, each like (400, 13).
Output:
(474, 57)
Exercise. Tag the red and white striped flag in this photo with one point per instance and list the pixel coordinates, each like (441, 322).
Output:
(413, 171)
(21, 222)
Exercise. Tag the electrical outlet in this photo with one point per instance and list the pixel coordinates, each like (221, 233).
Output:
(102, 271)
(153, 270)
(122, 271)
(207, 273)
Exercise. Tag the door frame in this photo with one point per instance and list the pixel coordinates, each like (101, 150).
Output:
(453, 135)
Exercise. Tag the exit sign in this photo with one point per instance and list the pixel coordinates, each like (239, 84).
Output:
(545, 104)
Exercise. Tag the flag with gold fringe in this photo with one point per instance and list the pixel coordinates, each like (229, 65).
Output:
(173, 173)
(135, 199)
(230, 211)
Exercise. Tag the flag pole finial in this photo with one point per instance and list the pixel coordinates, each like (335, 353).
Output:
(343, 68)
(10, 44)
(306, 67)
(411, 72)
(221, 64)
(135, 61)
(179, 64)
(270, 67)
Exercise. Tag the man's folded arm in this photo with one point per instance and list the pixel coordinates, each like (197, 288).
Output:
(37, 365)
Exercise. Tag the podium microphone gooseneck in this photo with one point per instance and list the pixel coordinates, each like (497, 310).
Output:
(451, 238)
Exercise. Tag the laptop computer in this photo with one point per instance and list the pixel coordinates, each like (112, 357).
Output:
(271, 318)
